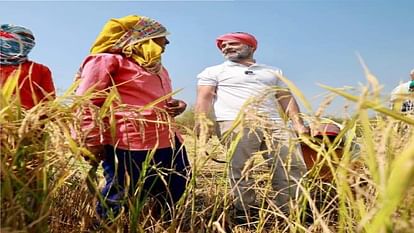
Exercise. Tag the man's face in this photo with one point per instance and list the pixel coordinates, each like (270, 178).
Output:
(236, 51)
(161, 41)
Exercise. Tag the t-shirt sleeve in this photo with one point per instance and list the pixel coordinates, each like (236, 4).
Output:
(279, 73)
(395, 93)
(207, 78)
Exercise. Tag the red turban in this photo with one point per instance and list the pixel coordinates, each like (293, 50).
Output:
(242, 37)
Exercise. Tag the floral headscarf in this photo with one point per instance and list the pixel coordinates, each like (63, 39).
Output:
(16, 42)
(132, 36)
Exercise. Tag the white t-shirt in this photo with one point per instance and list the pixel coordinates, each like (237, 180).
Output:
(402, 94)
(238, 85)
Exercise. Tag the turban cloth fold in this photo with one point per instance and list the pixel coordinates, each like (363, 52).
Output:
(242, 37)
(16, 42)
(132, 36)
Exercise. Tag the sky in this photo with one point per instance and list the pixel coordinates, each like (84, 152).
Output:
(313, 41)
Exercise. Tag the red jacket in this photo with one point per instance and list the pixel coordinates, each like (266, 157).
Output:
(35, 82)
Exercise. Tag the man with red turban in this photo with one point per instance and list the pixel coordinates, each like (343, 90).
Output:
(242, 94)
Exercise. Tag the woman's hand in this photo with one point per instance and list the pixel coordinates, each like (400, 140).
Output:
(175, 107)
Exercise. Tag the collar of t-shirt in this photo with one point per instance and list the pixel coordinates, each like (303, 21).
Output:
(249, 69)
(231, 63)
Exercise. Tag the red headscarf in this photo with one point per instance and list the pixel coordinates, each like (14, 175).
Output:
(242, 37)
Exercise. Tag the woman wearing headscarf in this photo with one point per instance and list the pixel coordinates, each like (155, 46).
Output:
(31, 84)
(35, 82)
(242, 87)
(126, 59)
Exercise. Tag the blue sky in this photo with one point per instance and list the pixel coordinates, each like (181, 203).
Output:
(311, 41)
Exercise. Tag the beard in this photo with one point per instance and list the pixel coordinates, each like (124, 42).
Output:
(243, 54)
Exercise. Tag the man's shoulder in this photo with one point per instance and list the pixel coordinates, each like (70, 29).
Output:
(399, 90)
(214, 69)
(401, 87)
(269, 67)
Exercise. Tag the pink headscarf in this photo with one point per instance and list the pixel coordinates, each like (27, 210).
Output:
(243, 37)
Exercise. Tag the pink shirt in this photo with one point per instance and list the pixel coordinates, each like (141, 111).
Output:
(134, 129)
